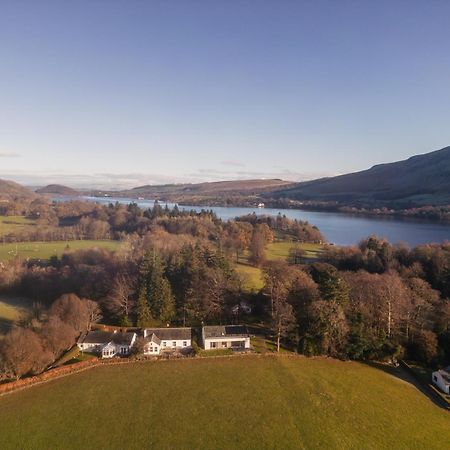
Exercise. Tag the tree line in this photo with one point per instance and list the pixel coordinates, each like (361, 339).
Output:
(373, 301)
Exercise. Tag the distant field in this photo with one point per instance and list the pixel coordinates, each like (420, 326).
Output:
(11, 309)
(10, 224)
(276, 250)
(224, 403)
(44, 250)
(280, 250)
(252, 277)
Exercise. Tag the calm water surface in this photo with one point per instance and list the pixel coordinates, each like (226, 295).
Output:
(342, 229)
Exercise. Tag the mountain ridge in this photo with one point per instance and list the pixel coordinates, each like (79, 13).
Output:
(416, 181)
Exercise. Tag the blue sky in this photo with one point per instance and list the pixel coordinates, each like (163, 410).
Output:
(133, 92)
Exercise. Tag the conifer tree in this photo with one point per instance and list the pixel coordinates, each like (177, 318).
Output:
(144, 314)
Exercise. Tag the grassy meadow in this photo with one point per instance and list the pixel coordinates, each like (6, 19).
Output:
(10, 224)
(45, 250)
(280, 250)
(252, 276)
(245, 402)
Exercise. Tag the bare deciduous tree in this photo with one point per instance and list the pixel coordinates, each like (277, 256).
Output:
(22, 353)
(120, 299)
(57, 336)
(93, 312)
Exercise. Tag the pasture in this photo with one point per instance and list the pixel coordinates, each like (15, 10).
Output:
(11, 224)
(45, 250)
(249, 402)
(280, 250)
(252, 276)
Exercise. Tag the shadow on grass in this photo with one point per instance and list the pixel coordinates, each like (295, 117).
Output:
(402, 374)
(5, 325)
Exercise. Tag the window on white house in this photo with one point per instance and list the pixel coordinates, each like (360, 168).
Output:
(164, 343)
(224, 344)
(174, 344)
(213, 344)
(184, 343)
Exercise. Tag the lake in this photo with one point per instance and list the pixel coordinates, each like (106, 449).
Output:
(339, 228)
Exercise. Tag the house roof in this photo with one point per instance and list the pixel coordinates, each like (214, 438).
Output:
(225, 331)
(103, 337)
(445, 374)
(170, 334)
(153, 338)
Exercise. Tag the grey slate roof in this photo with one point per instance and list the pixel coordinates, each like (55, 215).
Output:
(103, 337)
(153, 338)
(225, 331)
(170, 334)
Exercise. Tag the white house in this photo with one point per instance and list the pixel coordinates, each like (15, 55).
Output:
(441, 378)
(235, 337)
(107, 344)
(157, 340)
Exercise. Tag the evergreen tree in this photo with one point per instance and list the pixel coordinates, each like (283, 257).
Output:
(157, 289)
(332, 286)
(144, 314)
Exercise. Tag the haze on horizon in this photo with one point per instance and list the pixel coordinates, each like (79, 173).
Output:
(119, 94)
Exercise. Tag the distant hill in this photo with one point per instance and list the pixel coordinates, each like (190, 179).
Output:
(57, 189)
(10, 190)
(417, 181)
(204, 193)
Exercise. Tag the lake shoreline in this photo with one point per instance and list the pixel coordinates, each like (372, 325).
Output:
(338, 227)
(381, 212)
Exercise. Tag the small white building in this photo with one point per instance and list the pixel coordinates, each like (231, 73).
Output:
(441, 378)
(235, 337)
(158, 340)
(107, 344)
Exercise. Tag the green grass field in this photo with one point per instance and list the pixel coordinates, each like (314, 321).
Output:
(253, 280)
(222, 403)
(44, 250)
(10, 224)
(252, 277)
(280, 250)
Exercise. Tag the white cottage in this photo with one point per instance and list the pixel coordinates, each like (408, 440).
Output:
(158, 340)
(107, 344)
(441, 378)
(235, 337)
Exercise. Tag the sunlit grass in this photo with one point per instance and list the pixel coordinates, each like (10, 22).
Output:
(45, 250)
(280, 250)
(11, 224)
(232, 402)
(12, 309)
